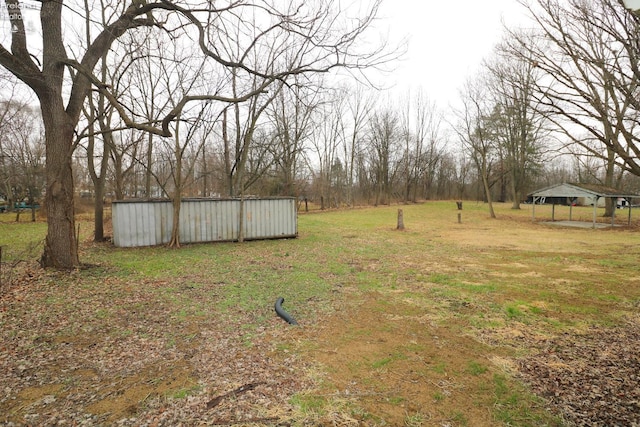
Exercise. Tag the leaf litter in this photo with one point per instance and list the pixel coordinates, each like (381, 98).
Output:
(591, 378)
(121, 354)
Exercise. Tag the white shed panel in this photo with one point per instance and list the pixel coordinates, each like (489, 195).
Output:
(149, 222)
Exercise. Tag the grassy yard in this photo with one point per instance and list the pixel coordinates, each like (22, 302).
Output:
(476, 322)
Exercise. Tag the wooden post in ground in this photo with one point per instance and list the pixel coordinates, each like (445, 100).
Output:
(400, 220)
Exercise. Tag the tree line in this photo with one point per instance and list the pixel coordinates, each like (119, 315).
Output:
(250, 98)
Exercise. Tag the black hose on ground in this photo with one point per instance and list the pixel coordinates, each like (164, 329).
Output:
(282, 313)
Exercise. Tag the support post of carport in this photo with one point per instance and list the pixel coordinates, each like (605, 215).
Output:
(570, 210)
(595, 210)
(533, 210)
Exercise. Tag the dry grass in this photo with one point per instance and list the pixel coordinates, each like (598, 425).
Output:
(424, 326)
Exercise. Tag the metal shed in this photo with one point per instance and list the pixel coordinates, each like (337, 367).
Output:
(149, 222)
(589, 192)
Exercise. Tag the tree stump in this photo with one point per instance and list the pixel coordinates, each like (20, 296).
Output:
(459, 205)
(400, 220)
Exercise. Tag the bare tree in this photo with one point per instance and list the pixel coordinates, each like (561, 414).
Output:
(98, 152)
(448, 177)
(328, 137)
(421, 134)
(151, 97)
(125, 149)
(384, 134)
(12, 112)
(99, 147)
(187, 146)
(21, 155)
(519, 122)
(244, 122)
(316, 34)
(589, 54)
(360, 108)
(292, 118)
(476, 134)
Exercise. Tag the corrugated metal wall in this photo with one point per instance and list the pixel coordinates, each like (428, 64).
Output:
(148, 222)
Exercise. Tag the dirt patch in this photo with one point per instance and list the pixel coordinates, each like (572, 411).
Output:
(127, 395)
(40, 394)
(103, 397)
(391, 364)
(399, 368)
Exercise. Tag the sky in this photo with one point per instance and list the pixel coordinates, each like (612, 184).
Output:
(447, 41)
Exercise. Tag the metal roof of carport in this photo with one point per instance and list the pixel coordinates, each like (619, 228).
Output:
(580, 190)
(589, 191)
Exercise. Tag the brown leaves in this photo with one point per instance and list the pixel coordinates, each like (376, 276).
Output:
(591, 379)
(101, 349)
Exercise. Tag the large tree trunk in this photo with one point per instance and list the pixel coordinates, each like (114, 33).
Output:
(175, 225)
(118, 175)
(148, 172)
(176, 202)
(514, 192)
(61, 246)
(177, 195)
(487, 189)
(98, 235)
(609, 181)
(99, 181)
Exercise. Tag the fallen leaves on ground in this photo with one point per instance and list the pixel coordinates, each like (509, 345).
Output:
(590, 378)
(124, 354)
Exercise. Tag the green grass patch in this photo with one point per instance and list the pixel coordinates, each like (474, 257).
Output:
(183, 393)
(439, 368)
(514, 312)
(438, 396)
(514, 405)
(476, 368)
(381, 363)
(21, 241)
(309, 404)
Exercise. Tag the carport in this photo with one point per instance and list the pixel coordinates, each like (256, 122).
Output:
(590, 192)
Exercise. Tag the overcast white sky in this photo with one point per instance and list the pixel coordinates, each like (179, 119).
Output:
(448, 40)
